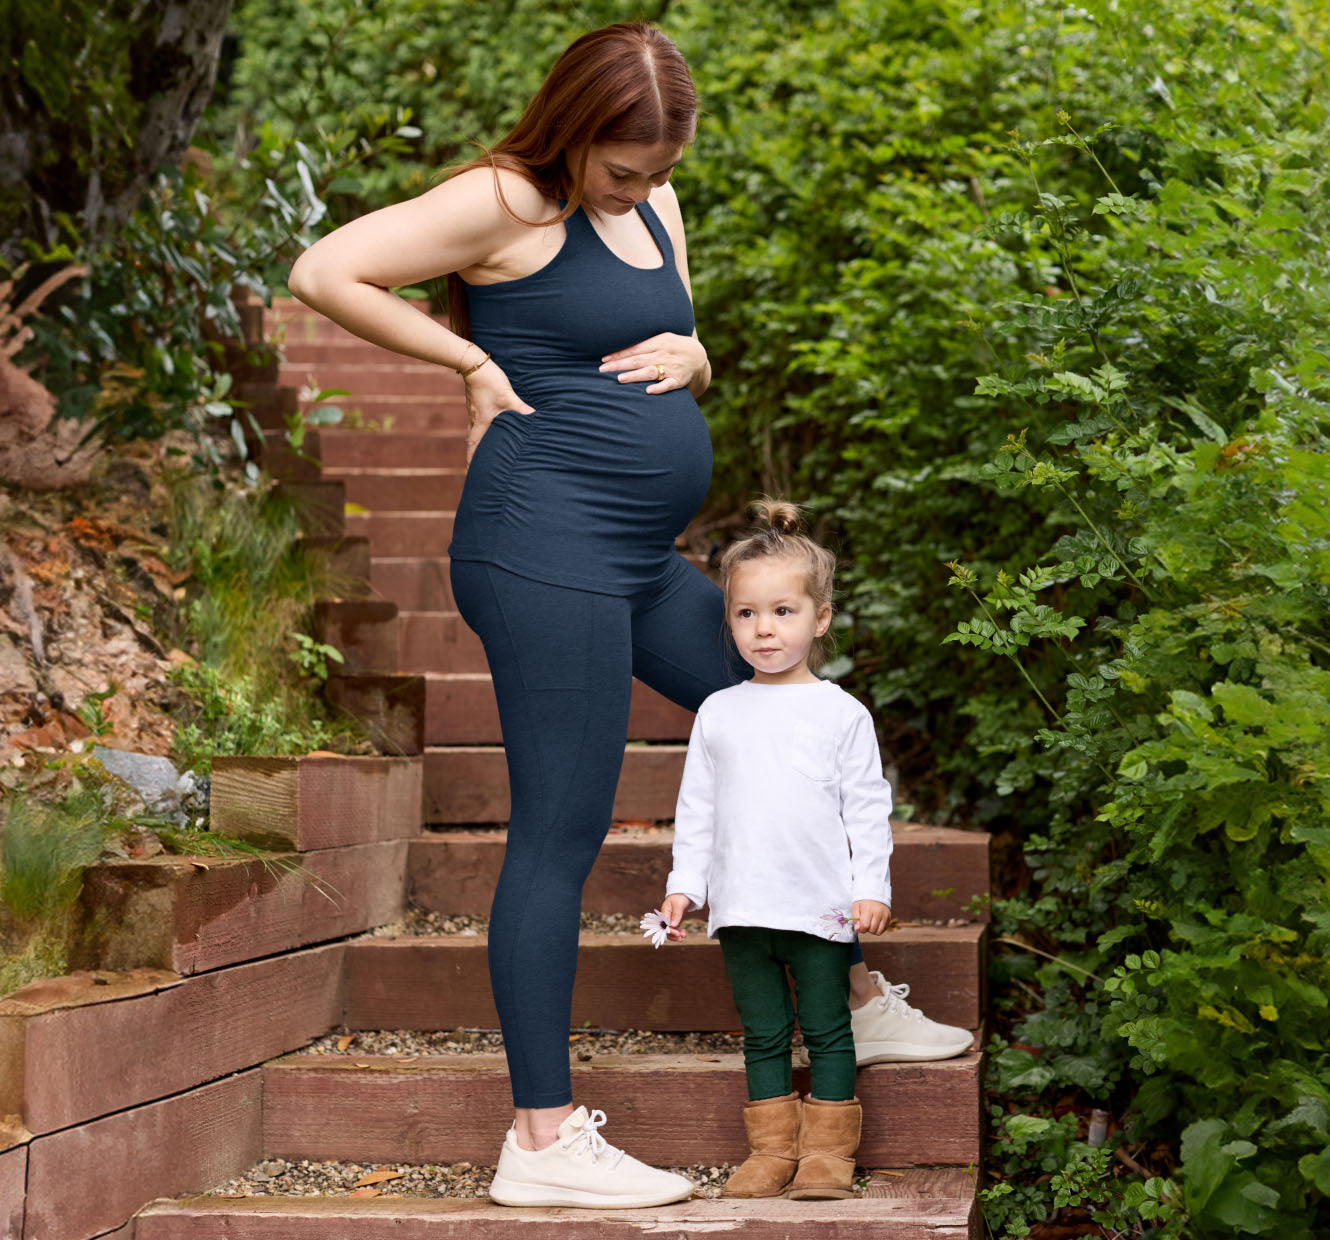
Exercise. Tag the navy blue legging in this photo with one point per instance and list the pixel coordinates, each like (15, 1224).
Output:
(563, 661)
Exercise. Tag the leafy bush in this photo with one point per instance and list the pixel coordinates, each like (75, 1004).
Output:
(460, 72)
(138, 348)
(1134, 496)
(254, 687)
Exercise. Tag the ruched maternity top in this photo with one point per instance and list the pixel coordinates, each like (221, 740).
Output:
(592, 488)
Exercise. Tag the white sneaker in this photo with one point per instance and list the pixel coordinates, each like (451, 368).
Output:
(581, 1168)
(889, 1030)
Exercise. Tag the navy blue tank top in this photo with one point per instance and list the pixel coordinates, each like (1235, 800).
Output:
(591, 490)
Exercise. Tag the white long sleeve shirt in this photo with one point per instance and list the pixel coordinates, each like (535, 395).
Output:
(783, 818)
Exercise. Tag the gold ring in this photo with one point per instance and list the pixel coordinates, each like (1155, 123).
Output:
(660, 372)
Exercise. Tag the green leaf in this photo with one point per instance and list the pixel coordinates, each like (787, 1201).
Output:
(1316, 1168)
(1204, 1162)
(1199, 418)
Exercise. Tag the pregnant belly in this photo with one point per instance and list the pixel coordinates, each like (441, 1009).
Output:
(638, 463)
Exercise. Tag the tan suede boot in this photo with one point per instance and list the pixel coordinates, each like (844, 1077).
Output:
(828, 1141)
(773, 1136)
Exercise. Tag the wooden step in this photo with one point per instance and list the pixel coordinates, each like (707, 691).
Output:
(414, 583)
(316, 801)
(469, 783)
(390, 707)
(394, 376)
(442, 982)
(14, 1140)
(935, 872)
(394, 414)
(342, 448)
(272, 408)
(300, 322)
(404, 533)
(285, 463)
(191, 914)
(393, 489)
(460, 710)
(363, 630)
(85, 1045)
(346, 563)
(319, 507)
(438, 641)
(88, 1180)
(935, 1204)
(667, 1109)
(330, 354)
(250, 363)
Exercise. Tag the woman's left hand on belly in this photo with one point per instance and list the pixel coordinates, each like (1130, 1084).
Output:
(664, 362)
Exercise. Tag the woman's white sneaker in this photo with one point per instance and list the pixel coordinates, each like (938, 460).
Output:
(581, 1168)
(889, 1030)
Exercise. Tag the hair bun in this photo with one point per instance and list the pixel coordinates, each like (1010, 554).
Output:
(776, 514)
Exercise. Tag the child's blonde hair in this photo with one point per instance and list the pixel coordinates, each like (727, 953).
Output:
(778, 532)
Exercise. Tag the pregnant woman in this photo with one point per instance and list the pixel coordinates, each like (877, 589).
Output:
(572, 327)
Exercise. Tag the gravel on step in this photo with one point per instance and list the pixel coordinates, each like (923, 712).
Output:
(418, 921)
(584, 1045)
(275, 1177)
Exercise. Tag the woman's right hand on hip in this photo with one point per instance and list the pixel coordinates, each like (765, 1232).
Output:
(488, 394)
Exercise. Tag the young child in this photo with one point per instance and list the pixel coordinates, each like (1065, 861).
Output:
(783, 830)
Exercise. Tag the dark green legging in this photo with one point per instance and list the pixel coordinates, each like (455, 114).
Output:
(756, 960)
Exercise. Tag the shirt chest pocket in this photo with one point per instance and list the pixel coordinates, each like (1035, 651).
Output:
(813, 754)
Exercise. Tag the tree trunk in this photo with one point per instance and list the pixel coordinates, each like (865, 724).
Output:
(150, 63)
(174, 66)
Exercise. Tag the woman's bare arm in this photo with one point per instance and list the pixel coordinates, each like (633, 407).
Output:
(457, 226)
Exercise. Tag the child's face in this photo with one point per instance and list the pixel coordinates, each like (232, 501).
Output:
(773, 619)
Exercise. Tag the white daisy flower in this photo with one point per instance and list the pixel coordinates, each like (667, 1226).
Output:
(838, 919)
(655, 926)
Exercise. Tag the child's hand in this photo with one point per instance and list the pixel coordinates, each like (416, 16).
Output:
(674, 907)
(871, 916)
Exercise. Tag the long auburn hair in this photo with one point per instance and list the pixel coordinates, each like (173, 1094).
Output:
(622, 83)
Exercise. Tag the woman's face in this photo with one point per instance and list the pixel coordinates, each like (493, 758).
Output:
(622, 174)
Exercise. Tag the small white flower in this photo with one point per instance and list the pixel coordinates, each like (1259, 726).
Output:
(655, 926)
(838, 919)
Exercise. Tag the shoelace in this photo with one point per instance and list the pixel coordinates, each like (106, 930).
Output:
(589, 1138)
(895, 999)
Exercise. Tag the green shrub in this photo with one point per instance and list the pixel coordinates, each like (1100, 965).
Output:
(137, 348)
(1086, 367)
(44, 849)
(237, 715)
(460, 72)
(251, 593)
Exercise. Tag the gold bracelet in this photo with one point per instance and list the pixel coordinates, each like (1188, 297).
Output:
(476, 367)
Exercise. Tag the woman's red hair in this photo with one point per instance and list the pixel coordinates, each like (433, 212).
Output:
(622, 83)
